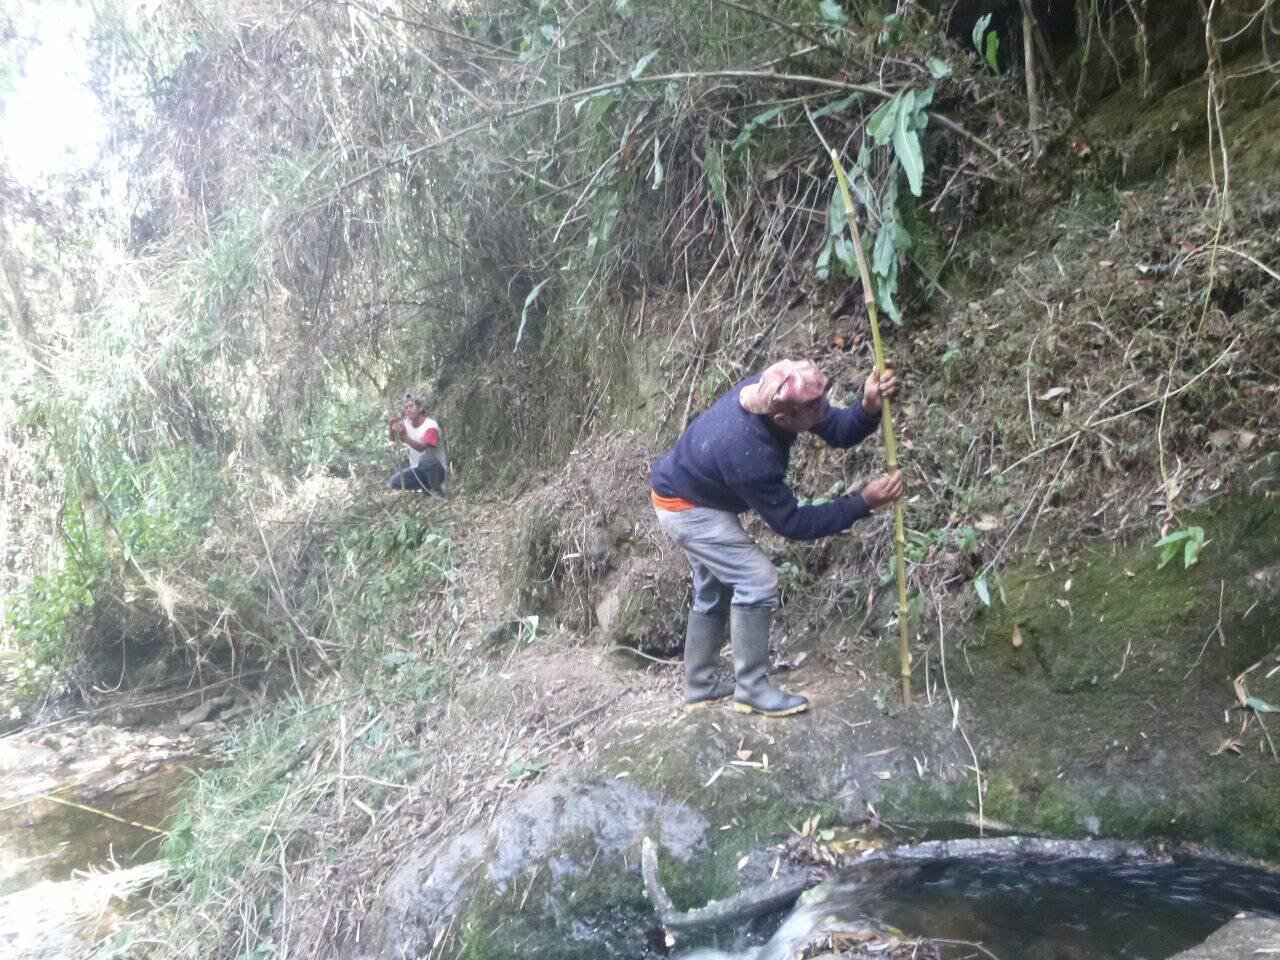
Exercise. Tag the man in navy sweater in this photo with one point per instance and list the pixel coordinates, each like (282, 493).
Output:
(731, 459)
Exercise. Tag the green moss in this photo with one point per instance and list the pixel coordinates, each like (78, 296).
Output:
(588, 917)
(533, 553)
(714, 875)
(1077, 621)
(1107, 717)
(651, 616)
(1224, 818)
(1151, 139)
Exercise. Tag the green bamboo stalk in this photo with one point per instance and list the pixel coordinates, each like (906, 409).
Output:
(886, 415)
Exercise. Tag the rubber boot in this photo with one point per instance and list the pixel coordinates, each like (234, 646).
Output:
(753, 693)
(702, 642)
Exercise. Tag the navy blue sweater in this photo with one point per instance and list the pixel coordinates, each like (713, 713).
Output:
(733, 460)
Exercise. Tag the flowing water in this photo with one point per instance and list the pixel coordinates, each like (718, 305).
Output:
(1035, 908)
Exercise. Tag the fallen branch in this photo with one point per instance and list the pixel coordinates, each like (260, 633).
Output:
(746, 904)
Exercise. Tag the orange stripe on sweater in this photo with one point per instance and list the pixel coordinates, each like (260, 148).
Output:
(670, 503)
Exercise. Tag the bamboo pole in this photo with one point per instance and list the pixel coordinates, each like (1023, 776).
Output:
(886, 414)
(88, 809)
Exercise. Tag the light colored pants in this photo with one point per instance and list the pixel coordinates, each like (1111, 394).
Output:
(728, 567)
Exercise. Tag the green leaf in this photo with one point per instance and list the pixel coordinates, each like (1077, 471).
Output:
(836, 218)
(938, 69)
(518, 770)
(883, 121)
(835, 106)
(980, 30)
(598, 104)
(751, 126)
(713, 167)
(906, 143)
(832, 12)
(1176, 537)
(528, 302)
(1192, 540)
(1260, 706)
(923, 99)
(845, 255)
(993, 48)
(659, 173)
(984, 594)
(823, 267)
(643, 62)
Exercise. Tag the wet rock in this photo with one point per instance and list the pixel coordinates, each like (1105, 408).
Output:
(561, 830)
(1241, 938)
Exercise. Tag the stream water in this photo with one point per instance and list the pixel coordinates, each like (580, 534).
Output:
(82, 815)
(47, 840)
(1035, 908)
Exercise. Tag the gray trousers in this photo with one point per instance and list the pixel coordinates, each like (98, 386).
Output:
(728, 567)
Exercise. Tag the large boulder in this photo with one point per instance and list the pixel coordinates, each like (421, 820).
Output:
(561, 837)
(1244, 938)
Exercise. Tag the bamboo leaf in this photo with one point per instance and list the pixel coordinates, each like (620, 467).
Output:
(598, 104)
(642, 63)
(835, 106)
(713, 167)
(755, 123)
(528, 302)
(984, 594)
(980, 30)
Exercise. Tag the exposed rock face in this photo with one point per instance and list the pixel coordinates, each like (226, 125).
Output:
(1241, 939)
(567, 829)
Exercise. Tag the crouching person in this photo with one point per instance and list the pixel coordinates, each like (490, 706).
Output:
(733, 458)
(421, 435)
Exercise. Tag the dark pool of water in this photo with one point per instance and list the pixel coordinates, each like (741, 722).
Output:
(1066, 909)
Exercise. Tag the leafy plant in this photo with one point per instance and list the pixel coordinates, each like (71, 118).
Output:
(526, 771)
(987, 42)
(901, 120)
(1188, 541)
